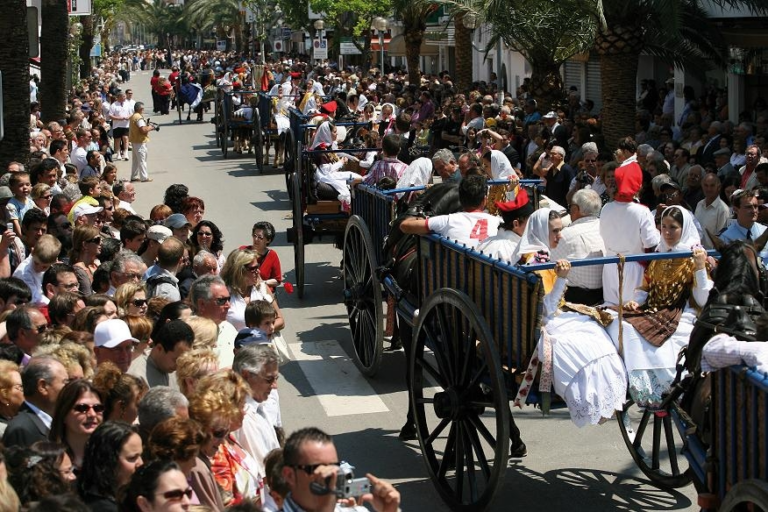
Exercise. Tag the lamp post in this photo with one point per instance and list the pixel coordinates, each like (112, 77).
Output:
(319, 26)
(381, 24)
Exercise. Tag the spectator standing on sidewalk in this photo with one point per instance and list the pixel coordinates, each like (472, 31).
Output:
(138, 135)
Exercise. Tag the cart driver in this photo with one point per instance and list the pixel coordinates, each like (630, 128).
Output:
(470, 226)
(515, 214)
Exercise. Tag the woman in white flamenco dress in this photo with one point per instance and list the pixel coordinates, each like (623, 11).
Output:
(578, 358)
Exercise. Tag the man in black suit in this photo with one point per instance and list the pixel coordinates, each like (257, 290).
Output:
(42, 380)
(706, 154)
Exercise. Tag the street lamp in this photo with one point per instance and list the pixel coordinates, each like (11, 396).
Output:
(319, 26)
(381, 24)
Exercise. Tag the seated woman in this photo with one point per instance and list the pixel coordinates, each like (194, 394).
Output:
(658, 322)
(586, 370)
(329, 166)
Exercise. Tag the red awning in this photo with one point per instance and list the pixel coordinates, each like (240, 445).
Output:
(375, 47)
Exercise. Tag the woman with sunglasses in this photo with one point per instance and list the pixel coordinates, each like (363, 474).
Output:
(84, 256)
(217, 406)
(207, 236)
(158, 486)
(113, 454)
(269, 263)
(79, 411)
(131, 299)
(241, 274)
(41, 195)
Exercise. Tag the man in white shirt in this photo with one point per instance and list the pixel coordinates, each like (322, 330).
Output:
(258, 365)
(711, 212)
(469, 227)
(581, 240)
(78, 156)
(120, 113)
(627, 228)
(515, 214)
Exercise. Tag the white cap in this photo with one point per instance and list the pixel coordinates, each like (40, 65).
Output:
(159, 233)
(550, 115)
(111, 333)
(86, 209)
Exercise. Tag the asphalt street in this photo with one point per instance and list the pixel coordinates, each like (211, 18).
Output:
(567, 469)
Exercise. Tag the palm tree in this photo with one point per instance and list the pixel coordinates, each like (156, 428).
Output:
(545, 33)
(54, 48)
(413, 14)
(679, 32)
(462, 37)
(219, 15)
(14, 61)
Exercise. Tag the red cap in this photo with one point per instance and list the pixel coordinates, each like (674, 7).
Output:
(295, 74)
(518, 202)
(329, 108)
(629, 181)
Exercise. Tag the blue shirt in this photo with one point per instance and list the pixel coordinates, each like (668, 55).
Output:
(737, 232)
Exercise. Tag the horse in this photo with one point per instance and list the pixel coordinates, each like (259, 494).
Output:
(400, 262)
(733, 307)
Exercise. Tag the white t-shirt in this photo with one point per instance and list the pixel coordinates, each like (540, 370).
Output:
(121, 110)
(468, 228)
(77, 157)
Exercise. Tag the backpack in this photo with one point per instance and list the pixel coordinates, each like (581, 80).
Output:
(155, 281)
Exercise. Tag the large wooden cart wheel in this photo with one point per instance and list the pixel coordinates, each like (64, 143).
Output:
(750, 495)
(298, 237)
(459, 400)
(257, 142)
(289, 163)
(225, 139)
(655, 443)
(362, 296)
(216, 118)
(220, 125)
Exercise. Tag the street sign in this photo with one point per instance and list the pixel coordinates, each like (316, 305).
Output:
(79, 7)
(221, 45)
(96, 50)
(278, 46)
(286, 32)
(320, 47)
(347, 47)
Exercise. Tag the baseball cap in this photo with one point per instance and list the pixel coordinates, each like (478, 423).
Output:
(550, 115)
(250, 336)
(177, 221)
(111, 333)
(159, 233)
(669, 184)
(86, 209)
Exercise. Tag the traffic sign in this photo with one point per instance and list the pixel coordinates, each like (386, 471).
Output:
(320, 47)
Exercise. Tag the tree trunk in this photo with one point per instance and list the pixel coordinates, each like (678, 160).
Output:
(14, 61)
(413, 40)
(54, 44)
(619, 47)
(618, 78)
(463, 40)
(547, 85)
(86, 43)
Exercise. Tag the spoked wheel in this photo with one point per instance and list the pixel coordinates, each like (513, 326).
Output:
(462, 418)
(655, 443)
(289, 164)
(748, 496)
(225, 145)
(220, 126)
(298, 238)
(362, 296)
(257, 143)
